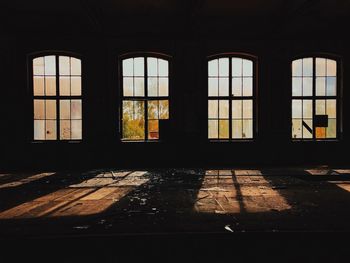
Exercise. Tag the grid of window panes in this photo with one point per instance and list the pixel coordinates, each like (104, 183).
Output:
(314, 96)
(57, 104)
(230, 103)
(145, 97)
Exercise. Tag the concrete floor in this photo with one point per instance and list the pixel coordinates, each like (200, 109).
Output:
(193, 202)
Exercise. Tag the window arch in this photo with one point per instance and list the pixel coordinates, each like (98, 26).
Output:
(145, 97)
(57, 97)
(315, 98)
(231, 98)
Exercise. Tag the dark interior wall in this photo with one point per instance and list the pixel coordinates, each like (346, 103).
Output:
(275, 47)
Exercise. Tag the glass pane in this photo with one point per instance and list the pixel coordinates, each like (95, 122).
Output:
(223, 109)
(307, 109)
(224, 129)
(38, 66)
(331, 108)
(213, 68)
(64, 86)
(76, 128)
(247, 68)
(152, 67)
(320, 132)
(39, 130)
(152, 86)
(236, 109)
(50, 86)
(128, 109)
(307, 67)
(247, 109)
(76, 109)
(297, 68)
(76, 86)
(247, 129)
(320, 107)
(50, 109)
(64, 109)
(39, 109)
(213, 109)
(65, 130)
(139, 110)
(50, 65)
(223, 67)
(320, 67)
(213, 86)
(297, 86)
(331, 68)
(237, 129)
(296, 108)
(320, 86)
(163, 86)
(247, 86)
(296, 128)
(332, 128)
(153, 109)
(51, 130)
(163, 67)
(134, 127)
(128, 67)
(223, 87)
(213, 129)
(128, 84)
(64, 65)
(307, 86)
(164, 109)
(236, 67)
(139, 67)
(331, 86)
(38, 86)
(75, 66)
(307, 134)
(139, 86)
(237, 87)
(153, 129)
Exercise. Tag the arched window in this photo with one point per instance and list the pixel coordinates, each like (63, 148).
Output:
(57, 98)
(315, 92)
(145, 97)
(231, 98)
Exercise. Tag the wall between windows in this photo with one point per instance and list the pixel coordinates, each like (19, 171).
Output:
(188, 145)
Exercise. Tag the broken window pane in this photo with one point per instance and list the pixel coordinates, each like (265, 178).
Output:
(38, 86)
(213, 68)
(213, 129)
(213, 112)
(223, 87)
(153, 109)
(164, 109)
(133, 120)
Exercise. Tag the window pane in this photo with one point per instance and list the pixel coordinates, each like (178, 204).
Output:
(296, 128)
(296, 108)
(237, 67)
(332, 128)
(51, 130)
(331, 86)
(38, 66)
(247, 86)
(237, 129)
(65, 130)
(331, 68)
(76, 109)
(163, 86)
(139, 86)
(223, 67)
(64, 65)
(152, 86)
(213, 86)
(223, 87)
(320, 86)
(320, 107)
(128, 84)
(64, 86)
(75, 66)
(38, 86)
(237, 87)
(213, 68)
(236, 109)
(39, 130)
(213, 126)
(163, 67)
(128, 109)
(307, 134)
(152, 67)
(307, 109)
(50, 65)
(65, 109)
(153, 129)
(307, 67)
(224, 129)
(39, 109)
(307, 86)
(164, 109)
(297, 68)
(297, 86)
(139, 67)
(320, 67)
(331, 108)
(223, 109)
(76, 86)
(320, 132)
(50, 86)
(213, 112)
(247, 68)
(76, 128)
(247, 109)
(133, 123)
(51, 109)
(128, 67)
(153, 109)
(247, 129)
